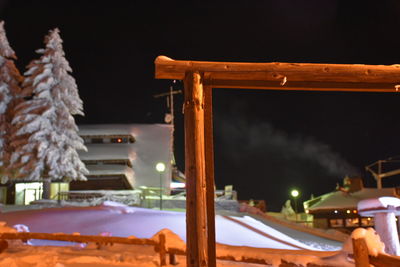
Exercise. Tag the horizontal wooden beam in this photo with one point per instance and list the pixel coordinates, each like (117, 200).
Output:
(285, 76)
(79, 238)
(303, 86)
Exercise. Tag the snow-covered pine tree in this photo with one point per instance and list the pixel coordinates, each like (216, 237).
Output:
(10, 81)
(46, 136)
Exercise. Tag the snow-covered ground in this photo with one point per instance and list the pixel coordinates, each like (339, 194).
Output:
(126, 221)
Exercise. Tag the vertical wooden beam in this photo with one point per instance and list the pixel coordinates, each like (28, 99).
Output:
(360, 252)
(210, 194)
(196, 204)
(378, 177)
(162, 250)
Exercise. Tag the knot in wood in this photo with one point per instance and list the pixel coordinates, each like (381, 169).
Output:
(195, 103)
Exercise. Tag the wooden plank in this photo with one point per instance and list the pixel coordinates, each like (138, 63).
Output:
(167, 68)
(282, 76)
(360, 252)
(384, 260)
(196, 204)
(303, 86)
(78, 238)
(225, 252)
(209, 157)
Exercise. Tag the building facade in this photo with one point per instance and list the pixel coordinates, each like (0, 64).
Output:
(119, 157)
(338, 209)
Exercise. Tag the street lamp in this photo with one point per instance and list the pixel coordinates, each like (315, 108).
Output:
(160, 167)
(295, 193)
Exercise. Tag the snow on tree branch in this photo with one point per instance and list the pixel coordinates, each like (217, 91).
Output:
(10, 80)
(45, 136)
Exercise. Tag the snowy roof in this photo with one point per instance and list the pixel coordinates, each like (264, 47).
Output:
(111, 129)
(111, 169)
(153, 143)
(342, 200)
(371, 206)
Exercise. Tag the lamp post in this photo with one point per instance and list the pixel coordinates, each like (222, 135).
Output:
(160, 167)
(295, 193)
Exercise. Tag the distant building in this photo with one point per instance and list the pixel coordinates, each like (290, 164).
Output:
(338, 209)
(119, 157)
(124, 156)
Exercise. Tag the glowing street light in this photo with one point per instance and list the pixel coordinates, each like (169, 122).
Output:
(295, 193)
(160, 167)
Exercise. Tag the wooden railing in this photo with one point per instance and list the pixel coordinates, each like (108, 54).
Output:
(362, 257)
(160, 246)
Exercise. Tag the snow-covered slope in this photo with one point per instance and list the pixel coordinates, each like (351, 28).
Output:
(143, 223)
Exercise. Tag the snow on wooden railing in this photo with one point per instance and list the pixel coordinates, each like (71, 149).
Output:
(363, 257)
(159, 246)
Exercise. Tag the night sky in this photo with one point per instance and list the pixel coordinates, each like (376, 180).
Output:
(266, 142)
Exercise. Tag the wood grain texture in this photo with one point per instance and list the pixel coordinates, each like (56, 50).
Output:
(79, 238)
(383, 260)
(360, 249)
(285, 76)
(209, 157)
(196, 204)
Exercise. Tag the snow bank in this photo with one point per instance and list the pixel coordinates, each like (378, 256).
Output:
(374, 244)
(121, 220)
(172, 239)
(6, 229)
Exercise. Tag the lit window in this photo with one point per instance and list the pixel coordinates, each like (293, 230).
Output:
(347, 211)
(352, 222)
(354, 211)
(336, 222)
(119, 140)
(335, 211)
(27, 192)
(367, 221)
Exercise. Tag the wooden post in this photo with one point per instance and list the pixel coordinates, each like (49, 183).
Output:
(379, 178)
(172, 259)
(3, 245)
(360, 249)
(163, 251)
(210, 194)
(196, 204)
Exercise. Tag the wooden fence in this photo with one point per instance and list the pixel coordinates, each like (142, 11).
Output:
(161, 248)
(362, 257)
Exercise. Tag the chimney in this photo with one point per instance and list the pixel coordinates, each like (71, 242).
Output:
(353, 184)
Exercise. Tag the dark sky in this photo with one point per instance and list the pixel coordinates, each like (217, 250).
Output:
(265, 141)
